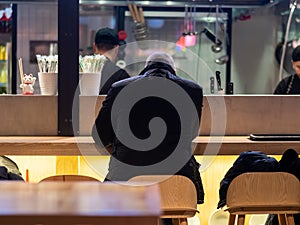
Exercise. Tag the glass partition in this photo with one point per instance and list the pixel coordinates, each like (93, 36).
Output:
(247, 58)
(189, 36)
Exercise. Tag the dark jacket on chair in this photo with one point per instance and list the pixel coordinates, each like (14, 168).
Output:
(5, 175)
(289, 163)
(250, 161)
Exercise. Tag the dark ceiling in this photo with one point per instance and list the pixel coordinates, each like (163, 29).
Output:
(228, 3)
(236, 3)
(219, 2)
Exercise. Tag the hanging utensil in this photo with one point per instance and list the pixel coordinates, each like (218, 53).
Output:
(132, 13)
(140, 29)
(136, 12)
(142, 18)
(217, 47)
(218, 78)
(224, 58)
(185, 22)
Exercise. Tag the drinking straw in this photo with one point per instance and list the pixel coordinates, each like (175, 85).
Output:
(38, 57)
(21, 73)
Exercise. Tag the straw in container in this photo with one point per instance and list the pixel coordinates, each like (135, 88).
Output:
(48, 72)
(90, 74)
(47, 64)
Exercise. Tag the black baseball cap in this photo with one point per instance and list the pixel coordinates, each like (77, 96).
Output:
(106, 36)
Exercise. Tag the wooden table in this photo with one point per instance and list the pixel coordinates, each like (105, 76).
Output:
(78, 203)
(84, 145)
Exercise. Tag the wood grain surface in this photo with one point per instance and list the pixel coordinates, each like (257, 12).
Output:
(70, 202)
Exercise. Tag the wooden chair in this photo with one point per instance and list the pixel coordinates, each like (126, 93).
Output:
(64, 178)
(264, 193)
(177, 193)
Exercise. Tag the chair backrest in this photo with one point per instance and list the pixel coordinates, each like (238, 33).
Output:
(64, 178)
(264, 189)
(177, 192)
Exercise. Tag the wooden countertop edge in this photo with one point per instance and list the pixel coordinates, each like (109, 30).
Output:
(84, 145)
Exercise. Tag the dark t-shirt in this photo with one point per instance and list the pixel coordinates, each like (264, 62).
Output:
(111, 74)
(288, 85)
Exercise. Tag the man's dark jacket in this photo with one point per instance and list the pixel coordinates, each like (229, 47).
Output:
(139, 158)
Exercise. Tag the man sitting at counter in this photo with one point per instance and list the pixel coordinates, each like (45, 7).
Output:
(291, 84)
(147, 123)
(107, 44)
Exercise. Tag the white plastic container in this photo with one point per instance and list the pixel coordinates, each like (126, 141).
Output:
(48, 83)
(89, 83)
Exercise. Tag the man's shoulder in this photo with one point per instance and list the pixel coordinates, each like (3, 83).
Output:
(124, 82)
(186, 82)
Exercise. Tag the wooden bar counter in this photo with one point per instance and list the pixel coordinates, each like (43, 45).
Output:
(234, 117)
(84, 145)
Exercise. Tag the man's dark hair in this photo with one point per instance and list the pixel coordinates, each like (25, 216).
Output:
(296, 54)
(106, 39)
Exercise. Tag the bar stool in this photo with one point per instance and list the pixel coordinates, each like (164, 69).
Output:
(178, 196)
(264, 193)
(64, 178)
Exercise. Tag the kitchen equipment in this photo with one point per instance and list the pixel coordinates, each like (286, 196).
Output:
(218, 78)
(230, 88)
(140, 29)
(217, 47)
(222, 60)
(212, 85)
(190, 33)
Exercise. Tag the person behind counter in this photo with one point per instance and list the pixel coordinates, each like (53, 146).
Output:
(147, 123)
(291, 84)
(107, 43)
